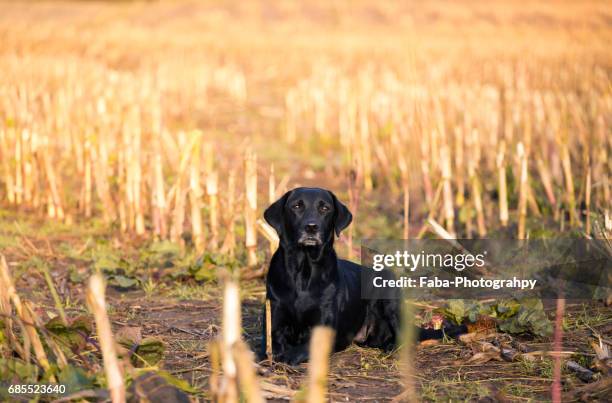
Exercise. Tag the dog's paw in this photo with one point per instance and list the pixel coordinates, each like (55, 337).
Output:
(297, 359)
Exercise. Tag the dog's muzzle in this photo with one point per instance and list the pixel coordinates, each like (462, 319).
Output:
(310, 239)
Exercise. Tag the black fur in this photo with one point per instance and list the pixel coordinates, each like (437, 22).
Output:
(308, 285)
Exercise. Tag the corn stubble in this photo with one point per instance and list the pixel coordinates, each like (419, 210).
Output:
(461, 153)
(162, 185)
(502, 153)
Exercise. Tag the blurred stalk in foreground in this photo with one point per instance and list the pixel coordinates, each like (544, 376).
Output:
(112, 369)
(321, 345)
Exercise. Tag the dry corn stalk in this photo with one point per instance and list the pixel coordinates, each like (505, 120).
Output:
(385, 167)
(160, 219)
(26, 316)
(178, 215)
(503, 187)
(212, 190)
(269, 233)
(587, 202)
(6, 312)
(59, 354)
(449, 211)
(8, 176)
(247, 377)
(250, 207)
(54, 294)
(477, 200)
(522, 204)
(112, 369)
(321, 343)
(546, 182)
(407, 353)
(52, 181)
(212, 185)
(558, 347)
(406, 233)
(229, 243)
(269, 352)
(215, 367)
(569, 183)
(271, 186)
(432, 211)
(121, 179)
(101, 176)
(459, 164)
(353, 193)
(8, 286)
(19, 170)
(365, 150)
(230, 333)
(195, 193)
(88, 182)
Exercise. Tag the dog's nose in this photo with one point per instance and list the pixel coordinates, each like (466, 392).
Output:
(311, 227)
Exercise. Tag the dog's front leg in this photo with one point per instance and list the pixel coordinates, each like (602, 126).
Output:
(295, 355)
(283, 333)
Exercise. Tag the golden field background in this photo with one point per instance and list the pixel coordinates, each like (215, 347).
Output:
(314, 88)
(300, 76)
(125, 125)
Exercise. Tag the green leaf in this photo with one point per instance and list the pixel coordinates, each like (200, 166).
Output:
(456, 310)
(204, 268)
(74, 378)
(159, 386)
(151, 350)
(506, 308)
(165, 249)
(74, 275)
(106, 263)
(476, 309)
(530, 318)
(179, 383)
(16, 369)
(82, 323)
(72, 337)
(122, 281)
(204, 274)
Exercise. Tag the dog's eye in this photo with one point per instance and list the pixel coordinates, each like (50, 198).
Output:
(324, 209)
(296, 206)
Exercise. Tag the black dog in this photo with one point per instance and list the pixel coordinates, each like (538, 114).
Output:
(307, 284)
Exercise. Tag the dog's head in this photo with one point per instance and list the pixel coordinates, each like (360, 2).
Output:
(308, 217)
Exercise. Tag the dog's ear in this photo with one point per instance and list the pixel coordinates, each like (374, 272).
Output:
(343, 216)
(274, 215)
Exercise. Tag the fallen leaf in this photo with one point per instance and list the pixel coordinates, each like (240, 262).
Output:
(468, 338)
(129, 335)
(159, 386)
(601, 350)
(485, 356)
(429, 343)
(483, 324)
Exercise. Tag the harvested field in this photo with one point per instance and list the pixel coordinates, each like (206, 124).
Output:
(141, 141)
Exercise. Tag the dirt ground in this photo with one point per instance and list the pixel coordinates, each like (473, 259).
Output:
(185, 315)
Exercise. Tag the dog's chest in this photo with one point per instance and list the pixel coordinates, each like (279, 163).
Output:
(307, 307)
